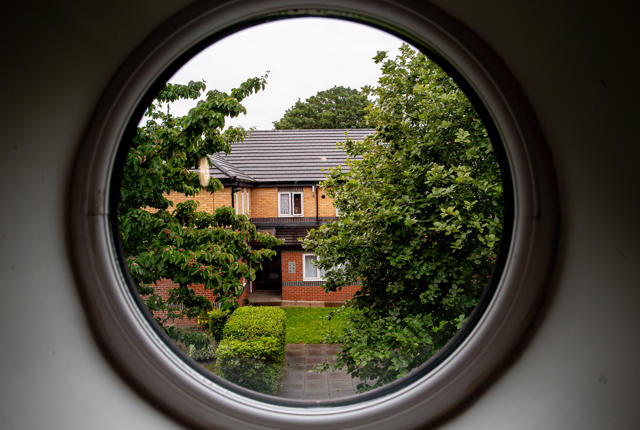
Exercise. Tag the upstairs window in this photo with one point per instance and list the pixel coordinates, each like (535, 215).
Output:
(290, 204)
(241, 201)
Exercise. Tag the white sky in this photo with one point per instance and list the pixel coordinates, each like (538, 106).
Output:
(303, 55)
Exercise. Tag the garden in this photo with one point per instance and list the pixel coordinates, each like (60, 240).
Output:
(247, 346)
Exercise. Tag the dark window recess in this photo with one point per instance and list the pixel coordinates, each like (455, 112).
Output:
(297, 204)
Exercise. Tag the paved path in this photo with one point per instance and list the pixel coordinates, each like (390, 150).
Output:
(299, 383)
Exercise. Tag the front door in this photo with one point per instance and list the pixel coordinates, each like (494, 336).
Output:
(270, 277)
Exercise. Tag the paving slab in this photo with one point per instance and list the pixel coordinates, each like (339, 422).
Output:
(301, 382)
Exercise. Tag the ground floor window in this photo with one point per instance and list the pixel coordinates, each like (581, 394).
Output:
(310, 269)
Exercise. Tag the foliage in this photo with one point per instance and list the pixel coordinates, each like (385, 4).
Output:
(252, 350)
(315, 325)
(202, 354)
(337, 107)
(254, 364)
(188, 337)
(215, 321)
(218, 251)
(421, 217)
(251, 322)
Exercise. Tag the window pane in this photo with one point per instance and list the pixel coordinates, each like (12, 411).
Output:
(297, 204)
(284, 204)
(310, 269)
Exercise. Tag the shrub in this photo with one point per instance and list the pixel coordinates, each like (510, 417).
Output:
(216, 319)
(255, 364)
(188, 337)
(251, 322)
(202, 354)
(252, 350)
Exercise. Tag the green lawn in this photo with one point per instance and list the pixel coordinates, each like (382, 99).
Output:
(310, 325)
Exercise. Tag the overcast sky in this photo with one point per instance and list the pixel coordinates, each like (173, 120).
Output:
(303, 56)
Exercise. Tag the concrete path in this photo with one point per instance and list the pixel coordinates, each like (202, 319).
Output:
(299, 383)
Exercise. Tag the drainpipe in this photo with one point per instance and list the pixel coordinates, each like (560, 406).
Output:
(316, 188)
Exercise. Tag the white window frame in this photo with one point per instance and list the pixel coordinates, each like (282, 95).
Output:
(319, 271)
(235, 203)
(241, 205)
(291, 194)
(248, 211)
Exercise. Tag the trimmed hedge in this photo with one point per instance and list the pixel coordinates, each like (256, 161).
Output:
(254, 364)
(251, 353)
(250, 322)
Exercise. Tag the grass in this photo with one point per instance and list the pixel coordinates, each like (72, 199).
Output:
(311, 325)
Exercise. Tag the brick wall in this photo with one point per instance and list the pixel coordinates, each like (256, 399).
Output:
(325, 205)
(306, 291)
(208, 202)
(315, 293)
(264, 202)
(309, 202)
(162, 289)
(291, 257)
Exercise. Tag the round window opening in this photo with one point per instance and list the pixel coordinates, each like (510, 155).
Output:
(230, 250)
(312, 222)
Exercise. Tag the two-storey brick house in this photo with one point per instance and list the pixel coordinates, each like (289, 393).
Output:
(273, 178)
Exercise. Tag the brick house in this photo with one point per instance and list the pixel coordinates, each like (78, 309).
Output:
(273, 177)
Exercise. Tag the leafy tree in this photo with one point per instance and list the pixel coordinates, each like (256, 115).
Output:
(421, 217)
(180, 243)
(338, 107)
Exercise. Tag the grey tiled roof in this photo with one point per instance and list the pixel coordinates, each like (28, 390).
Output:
(268, 156)
(221, 168)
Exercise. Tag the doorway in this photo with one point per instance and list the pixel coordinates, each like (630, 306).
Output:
(269, 278)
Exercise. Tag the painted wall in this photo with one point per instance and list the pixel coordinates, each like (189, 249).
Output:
(575, 61)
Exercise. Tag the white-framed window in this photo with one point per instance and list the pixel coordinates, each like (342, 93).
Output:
(248, 208)
(241, 201)
(310, 269)
(290, 203)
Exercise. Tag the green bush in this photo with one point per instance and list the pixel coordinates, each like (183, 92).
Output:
(251, 353)
(216, 319)
(255, 364)
(251, 322)
(201, 354)
(188, 337)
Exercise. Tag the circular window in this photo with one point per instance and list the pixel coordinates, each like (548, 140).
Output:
(154, 365)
